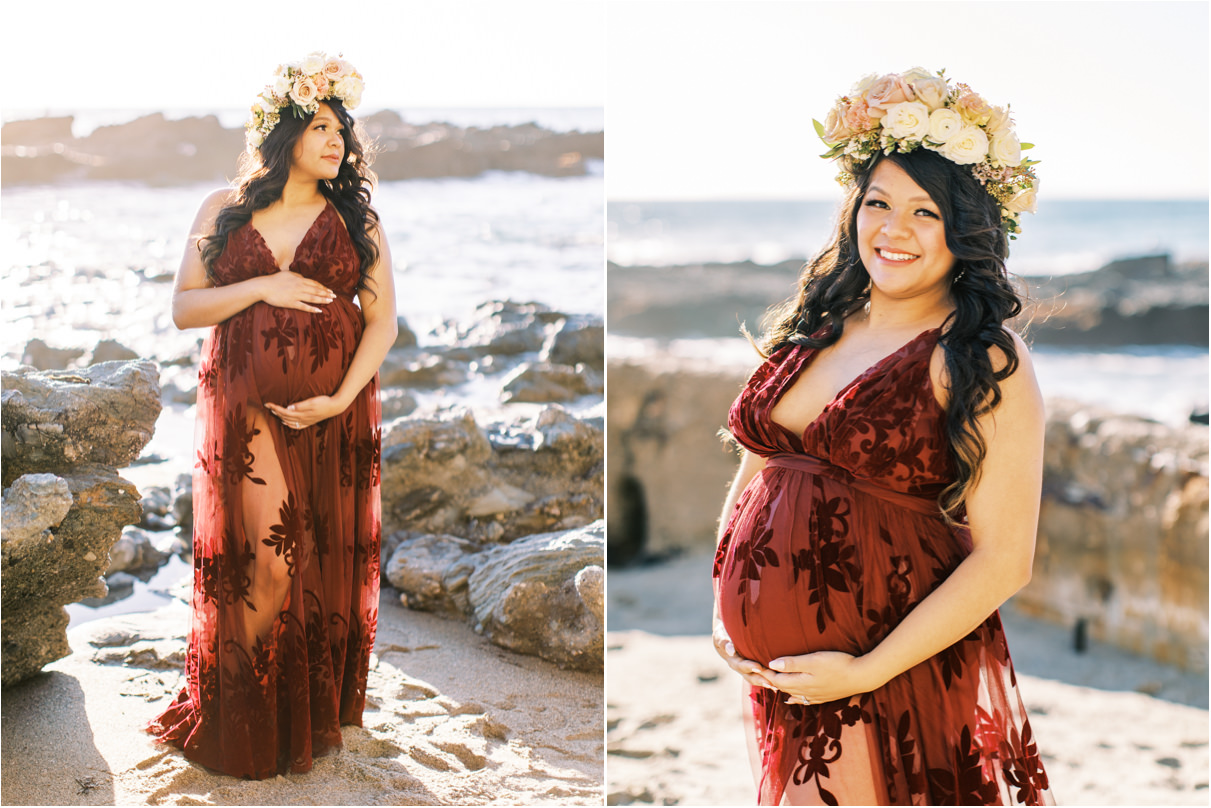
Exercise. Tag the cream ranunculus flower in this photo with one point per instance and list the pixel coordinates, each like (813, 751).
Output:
(349, 90)
(303, 92)
(1026, 201)
(1006, 149)
(973, 107)
(969, 146)
(998, 121)
(907, 120)
(314, 63)
(835, 128)
(944, 124)
(931, 91)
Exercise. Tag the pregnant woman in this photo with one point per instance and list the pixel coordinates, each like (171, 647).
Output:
(292, 276)
(888, 495)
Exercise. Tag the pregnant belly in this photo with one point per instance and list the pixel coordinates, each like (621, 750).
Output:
(782, 590)
(295, 355)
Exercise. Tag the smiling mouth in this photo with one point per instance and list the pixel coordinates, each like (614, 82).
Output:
(897, 257)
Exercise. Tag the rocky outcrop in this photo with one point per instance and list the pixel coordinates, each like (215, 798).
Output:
(1122, 542)
(159, 151)
(1135, 301)
(1122, 545)
(542, 595)
(445, 475)
(64, 504)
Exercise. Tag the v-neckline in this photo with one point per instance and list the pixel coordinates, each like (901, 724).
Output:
(294, 255)
(790, 379)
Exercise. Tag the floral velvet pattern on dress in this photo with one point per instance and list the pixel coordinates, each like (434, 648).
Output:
(286, 525)
(828, 548)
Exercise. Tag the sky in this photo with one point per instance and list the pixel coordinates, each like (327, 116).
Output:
(715, 100)
(218, 54)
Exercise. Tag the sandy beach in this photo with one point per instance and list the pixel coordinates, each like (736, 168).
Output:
(1114, 729)
(450, 719)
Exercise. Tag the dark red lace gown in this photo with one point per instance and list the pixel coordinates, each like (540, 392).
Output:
(828, 548)
(286, 525)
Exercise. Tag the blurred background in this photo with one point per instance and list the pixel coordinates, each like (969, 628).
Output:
(489, 123)
(717, 195)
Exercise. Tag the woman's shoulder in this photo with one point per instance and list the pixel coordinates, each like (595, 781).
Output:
(218, 199)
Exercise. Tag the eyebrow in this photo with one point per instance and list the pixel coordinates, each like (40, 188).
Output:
(917, 198)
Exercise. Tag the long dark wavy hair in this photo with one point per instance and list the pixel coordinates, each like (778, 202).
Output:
(263, 175)
(835, 284)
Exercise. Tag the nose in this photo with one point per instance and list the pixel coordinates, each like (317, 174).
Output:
(897, 223)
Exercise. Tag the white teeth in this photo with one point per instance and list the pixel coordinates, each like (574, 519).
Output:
(891, 256)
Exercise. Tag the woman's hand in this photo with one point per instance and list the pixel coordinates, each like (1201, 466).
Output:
(308, 412)
(290, 290)
(821, 677)
(753, 672)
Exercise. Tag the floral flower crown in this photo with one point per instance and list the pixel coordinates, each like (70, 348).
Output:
(900, 112)
(301, 86)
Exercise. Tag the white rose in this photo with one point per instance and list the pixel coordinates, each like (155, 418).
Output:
(1006, 149)
(931, 91)
(1026, 201)
(267, 103)
(907, 120)
(969, 146)
(864, 84)
(314, 63)
(349, 90)
(281, 86)
(303, 92)
(944, 124)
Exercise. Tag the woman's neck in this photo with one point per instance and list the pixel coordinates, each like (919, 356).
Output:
(883, 313)
(300, 193)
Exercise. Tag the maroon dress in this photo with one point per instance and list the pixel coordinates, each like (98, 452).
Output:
(286, 525)
(828, 548)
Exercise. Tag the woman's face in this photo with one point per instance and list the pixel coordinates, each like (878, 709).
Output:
(320, 149)
(901, 240)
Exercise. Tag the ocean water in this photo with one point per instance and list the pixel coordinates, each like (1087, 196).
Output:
(95, 261)
(1065, 236)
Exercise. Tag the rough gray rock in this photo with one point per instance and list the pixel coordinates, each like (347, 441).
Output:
(544, 382)
(182, 504)
(577, 339)
(41, 356)
(397, 403)
(526, 597)
(41, 574)
(412, 368)
(502, 328)
(109, 350)
(444, 475)
(68, 424)
(103, 414)
(133, 550)
(431, 572)
(157, 508)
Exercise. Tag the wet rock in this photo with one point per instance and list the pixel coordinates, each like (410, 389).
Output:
(157, 508)
(503, 328)
(405, 337)
(109, 350)
(40, 574)
(445, 475)
(525, 596)
(431, 571)
(421, 369)
(397, 403)
(43, 357)
(102, 414)
(544, 382)
(576, 339)
(134, 550)
(182, 503)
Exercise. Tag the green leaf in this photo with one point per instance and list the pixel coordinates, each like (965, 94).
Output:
(1026, 146)
(819, 127)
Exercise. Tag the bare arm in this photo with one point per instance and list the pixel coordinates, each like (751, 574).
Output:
(196, 303)
(1003, 509)
(378, 309)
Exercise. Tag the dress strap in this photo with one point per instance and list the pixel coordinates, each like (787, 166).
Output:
(814, 465)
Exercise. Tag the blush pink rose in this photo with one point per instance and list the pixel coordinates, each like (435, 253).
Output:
(835, 128)
(860, 118)
(889, 90)
(303, 92)
(973, 107)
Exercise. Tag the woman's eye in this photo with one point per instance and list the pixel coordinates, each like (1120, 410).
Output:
(928, 212)
(876, 203)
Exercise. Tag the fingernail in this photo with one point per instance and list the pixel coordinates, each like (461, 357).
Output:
(731, 649)
(778, 665)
